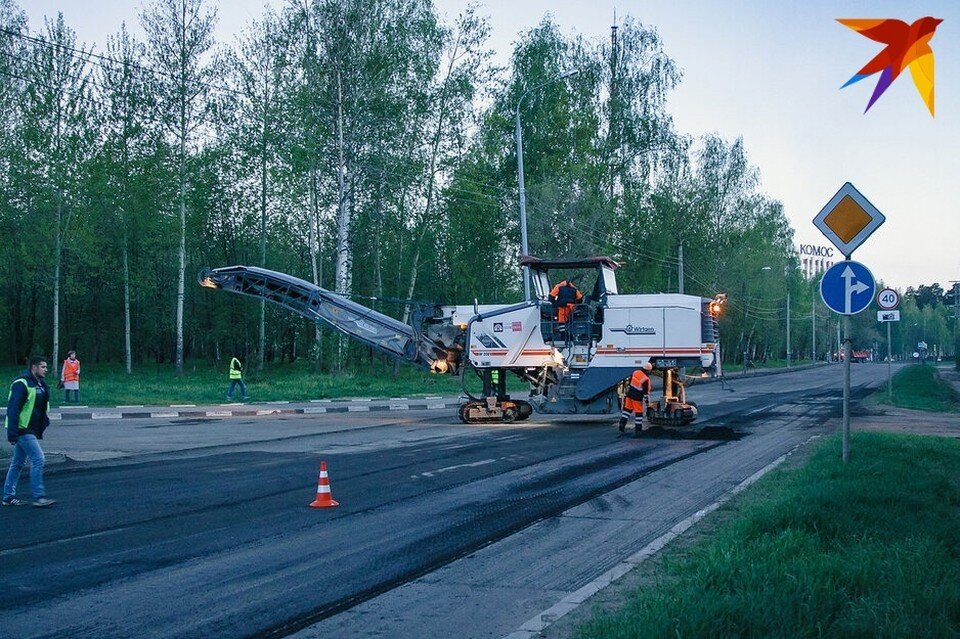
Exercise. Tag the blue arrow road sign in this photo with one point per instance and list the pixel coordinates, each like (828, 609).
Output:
(847, 287)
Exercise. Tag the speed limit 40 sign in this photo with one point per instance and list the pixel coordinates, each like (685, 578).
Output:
(888, 299)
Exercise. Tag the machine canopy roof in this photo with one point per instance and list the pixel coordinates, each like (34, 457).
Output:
(536, 264)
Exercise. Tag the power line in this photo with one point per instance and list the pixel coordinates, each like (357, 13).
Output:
(90, 54)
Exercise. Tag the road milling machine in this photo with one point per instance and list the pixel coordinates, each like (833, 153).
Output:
(577, 366)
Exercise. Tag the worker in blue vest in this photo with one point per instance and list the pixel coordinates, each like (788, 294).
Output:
(25, 422)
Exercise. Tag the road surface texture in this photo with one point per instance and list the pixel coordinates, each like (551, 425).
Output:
(199, 527)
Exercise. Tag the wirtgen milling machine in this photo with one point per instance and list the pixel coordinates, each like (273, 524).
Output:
(579, 366)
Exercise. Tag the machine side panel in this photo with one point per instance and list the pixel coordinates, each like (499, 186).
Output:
(638, 327)
(510, 340)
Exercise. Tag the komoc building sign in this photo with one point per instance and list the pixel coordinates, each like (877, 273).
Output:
(816, 259)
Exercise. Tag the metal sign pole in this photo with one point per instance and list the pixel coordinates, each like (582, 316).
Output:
(846, 388)
(889, 367)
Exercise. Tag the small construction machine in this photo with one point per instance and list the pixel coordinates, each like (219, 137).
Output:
(579, 365)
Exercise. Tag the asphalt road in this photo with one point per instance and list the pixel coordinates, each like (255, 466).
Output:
(443, 529)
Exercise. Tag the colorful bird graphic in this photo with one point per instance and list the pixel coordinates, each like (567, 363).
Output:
(907, 46)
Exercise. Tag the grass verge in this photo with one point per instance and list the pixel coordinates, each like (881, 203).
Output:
(866, 549)
(109, 385)
(920, 388)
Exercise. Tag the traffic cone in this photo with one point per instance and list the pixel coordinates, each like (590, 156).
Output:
(324, 498)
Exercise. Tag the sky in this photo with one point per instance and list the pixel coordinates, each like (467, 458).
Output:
(769, 72)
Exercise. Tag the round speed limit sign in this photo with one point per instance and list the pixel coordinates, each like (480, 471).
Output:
(888, 299)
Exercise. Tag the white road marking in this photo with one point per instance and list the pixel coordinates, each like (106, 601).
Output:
(431, 473)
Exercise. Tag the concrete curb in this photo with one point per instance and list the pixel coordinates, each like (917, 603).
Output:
(344, 405)
(256, 410)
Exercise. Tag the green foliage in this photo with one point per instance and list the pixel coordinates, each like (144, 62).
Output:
(866, 549)
(920, 388)
(202, 383)
(368, 147)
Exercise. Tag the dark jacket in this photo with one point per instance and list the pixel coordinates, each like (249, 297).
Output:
(18, 397)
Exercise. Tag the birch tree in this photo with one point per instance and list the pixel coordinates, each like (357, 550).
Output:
(58, 136)
(179, 35)
(257, 70)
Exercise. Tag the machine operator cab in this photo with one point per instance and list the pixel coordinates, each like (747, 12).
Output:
(566, 319)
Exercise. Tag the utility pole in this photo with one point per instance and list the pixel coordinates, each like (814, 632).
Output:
(838, 339)
(523, 206)
(813, 326)
(788, 325)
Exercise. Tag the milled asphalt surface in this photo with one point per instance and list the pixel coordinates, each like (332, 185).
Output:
(199, 526)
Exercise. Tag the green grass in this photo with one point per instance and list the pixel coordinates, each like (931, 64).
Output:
(150, 384)
(920, 388)
(866, 549)
(770, 363)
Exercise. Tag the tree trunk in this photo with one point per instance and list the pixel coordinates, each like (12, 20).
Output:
(183, 256)
(431, 178)
(127, 355)
(263, 230)
(54, 360)
(342, 275)
(183, 186)
(314, 250)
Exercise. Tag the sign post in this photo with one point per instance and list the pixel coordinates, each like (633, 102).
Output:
(847, 220)
(888, 299)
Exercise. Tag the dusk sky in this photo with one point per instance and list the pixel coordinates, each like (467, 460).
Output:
(771, 73)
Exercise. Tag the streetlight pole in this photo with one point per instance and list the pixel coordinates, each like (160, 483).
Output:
(523, 191)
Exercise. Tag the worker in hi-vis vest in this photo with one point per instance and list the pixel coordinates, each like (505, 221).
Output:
(25, 422)
(236, 378)
(635, 402)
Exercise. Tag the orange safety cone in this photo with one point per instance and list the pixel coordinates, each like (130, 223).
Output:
(324, 498)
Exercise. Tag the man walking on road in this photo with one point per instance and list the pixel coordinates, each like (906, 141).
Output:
(25, 422)
(236, 378)
(635, 403)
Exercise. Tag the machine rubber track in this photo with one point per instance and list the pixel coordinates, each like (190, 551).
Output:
(507, 411)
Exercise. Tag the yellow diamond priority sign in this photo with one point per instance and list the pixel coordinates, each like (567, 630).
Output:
(848, 219)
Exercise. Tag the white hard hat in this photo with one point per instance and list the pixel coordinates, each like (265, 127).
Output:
(647, 367)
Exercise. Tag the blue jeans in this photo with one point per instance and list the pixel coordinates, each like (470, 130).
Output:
(27, 447)
(233, 384)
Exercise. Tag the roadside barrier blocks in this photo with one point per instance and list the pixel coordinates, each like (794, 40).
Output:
(324, 497)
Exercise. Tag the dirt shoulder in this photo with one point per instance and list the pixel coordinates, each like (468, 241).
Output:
(877, 417)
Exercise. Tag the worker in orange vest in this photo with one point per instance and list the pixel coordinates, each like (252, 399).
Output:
(635, 403)
(565, 295)
(70, 376)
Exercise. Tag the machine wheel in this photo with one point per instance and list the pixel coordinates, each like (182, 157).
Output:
(509, 415)
(462, 413)
(524, 410)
